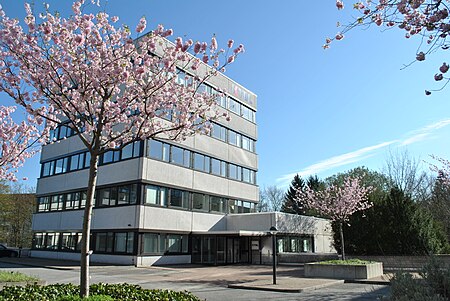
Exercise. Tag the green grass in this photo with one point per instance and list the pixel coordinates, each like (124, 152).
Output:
(15, 277)
(347, 262)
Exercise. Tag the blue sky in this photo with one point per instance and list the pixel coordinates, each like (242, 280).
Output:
(319, 111)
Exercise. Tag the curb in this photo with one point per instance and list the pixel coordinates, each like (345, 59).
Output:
(374, 282)
(40, 266)
(281, 289)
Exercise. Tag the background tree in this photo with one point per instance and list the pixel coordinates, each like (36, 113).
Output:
(111, 90)
(291, 205)
(338, 202)
(271, 199)
(17, 205)
(406, 173)
(439, 202)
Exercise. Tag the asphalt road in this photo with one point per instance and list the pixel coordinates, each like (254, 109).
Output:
(208, 283)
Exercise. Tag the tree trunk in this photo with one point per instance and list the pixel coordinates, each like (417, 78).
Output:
(342, 240)
(85, 240)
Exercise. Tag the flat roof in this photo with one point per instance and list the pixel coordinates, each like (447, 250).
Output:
(236, 233)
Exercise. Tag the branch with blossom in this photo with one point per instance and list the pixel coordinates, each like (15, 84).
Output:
(427, 19)
(443, 169)
(16, 143)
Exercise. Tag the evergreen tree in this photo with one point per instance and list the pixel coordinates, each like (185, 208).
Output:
(289, 204)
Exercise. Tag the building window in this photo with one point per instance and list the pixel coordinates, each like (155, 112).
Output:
(234, 106)
(176, 156)
(43, 204)
(48, 168)
(179, 198)
(156, 195)
(234, 138)
(200, 202)
(57, 202)
(218, 204)
(71, 241)
(150, 243)
(218, 132)
(158, 150)
(72, 200)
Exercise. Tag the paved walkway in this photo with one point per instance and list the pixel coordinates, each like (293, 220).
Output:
(209, 282)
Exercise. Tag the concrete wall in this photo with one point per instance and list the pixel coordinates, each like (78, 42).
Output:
(404, 262)
(123, 217)
(166, 219)
(162, 260)
(129, 170)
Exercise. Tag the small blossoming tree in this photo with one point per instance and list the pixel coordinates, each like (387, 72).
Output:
(337, 202)
(111, 89)
(427, 19)
(17, 142)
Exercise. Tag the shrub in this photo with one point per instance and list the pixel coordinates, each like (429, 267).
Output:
(99, 292)
(434, 285)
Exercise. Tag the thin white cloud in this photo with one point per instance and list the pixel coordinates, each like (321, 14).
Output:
(337, 161)
(363, 153)
(424, 133)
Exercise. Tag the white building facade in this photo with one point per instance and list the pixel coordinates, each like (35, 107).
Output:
(166, 202)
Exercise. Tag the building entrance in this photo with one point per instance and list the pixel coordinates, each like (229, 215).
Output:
(219, 250)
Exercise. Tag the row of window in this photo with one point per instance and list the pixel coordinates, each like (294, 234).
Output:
(156, 150)
(173, 154)
(162, 243)
(170, 197)
(111, 196)
(218, 131)
(101, 242)
(295, 244)
(81, 160)
(227, 102)
(153, 195)
(232, 137)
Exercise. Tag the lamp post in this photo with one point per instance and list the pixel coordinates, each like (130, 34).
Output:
(273, 232)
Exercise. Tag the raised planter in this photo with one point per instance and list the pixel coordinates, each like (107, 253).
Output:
(344, 271)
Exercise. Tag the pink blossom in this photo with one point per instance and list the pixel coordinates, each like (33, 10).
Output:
(339, 4)
(142, 25)
(230, 43)
(444, 68)
(213, 43)
(197, 47)
(420, 56)
(438, 77)
(230, 59)
(339, 36)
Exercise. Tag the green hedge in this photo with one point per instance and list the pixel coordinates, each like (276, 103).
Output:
(98, 292)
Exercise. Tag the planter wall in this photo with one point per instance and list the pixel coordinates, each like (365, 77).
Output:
(336, 271)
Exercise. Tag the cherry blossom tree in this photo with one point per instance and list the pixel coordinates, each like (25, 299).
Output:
(338, 202)
(17, 141)
(110, 88)
(426, 19)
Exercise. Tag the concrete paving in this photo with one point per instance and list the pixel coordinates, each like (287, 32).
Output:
(207, 282)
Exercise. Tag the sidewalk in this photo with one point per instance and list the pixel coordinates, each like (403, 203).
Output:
(290, 279)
